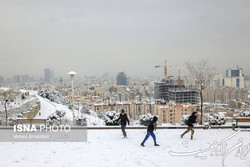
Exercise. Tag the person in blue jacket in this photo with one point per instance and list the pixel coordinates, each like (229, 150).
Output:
(124, 120)
(150, 131)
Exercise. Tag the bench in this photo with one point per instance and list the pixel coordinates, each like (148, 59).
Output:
(32, 121)
(240, 120)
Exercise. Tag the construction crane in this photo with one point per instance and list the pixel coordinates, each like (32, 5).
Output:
(165, 69)
(179, 77)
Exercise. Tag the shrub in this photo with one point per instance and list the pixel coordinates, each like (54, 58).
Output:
(244, 114)
(110, 118)
(13, 120)
(56, 118)
(81, 121)
(215, 119)
(85, 109)
(145, 119)
(53, 96)
(184, 120)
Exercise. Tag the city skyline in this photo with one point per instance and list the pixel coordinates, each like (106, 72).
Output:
(171, 72)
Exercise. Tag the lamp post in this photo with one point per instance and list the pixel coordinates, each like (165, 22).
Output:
(72, 75)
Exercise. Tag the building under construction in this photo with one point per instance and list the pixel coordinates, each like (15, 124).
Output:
(171, 90)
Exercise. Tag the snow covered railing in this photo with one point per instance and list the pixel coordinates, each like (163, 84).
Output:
(158, 127)
(135, 127)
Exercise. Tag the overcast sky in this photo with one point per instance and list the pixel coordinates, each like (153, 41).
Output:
(96, 36)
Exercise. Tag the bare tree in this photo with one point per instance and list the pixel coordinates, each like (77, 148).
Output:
(6, 95)
(200, 76)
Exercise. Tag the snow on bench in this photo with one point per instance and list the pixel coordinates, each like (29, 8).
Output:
(242, 122)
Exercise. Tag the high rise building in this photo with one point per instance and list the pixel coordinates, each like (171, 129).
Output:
(234, 78)
(216, 82)
(48, 75)
(17, 79)
(1, 80)
(122, 79)
(25, 78)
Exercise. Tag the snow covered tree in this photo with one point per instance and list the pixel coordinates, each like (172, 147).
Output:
(200, 76)
(85, 109)
(81, 121)
(184, 120)
(53, 96)
(145, 119)
(88, 117)
(110, 118)
(215, 118)
(6, 95)
(244, 114)
(56, 118)
(0, 121)
(13, 120)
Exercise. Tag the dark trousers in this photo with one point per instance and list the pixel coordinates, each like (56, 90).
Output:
(189, 128)
(147, 136)
(123, 130)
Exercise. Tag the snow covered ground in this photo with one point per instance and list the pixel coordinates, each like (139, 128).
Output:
(108, 148)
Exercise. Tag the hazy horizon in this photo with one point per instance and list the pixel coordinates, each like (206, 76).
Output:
(94, 37)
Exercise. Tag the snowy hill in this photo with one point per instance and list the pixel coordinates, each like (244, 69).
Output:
(48, 108)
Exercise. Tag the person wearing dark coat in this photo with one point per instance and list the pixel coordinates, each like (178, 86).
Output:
(191, 122)
(124, 120)
(150, 131)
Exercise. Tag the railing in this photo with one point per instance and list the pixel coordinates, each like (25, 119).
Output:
(136, 127)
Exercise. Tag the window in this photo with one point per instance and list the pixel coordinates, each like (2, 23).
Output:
(235, 73)
(237, 82)
(164, 116)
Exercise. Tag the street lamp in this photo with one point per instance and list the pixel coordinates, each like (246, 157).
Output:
(72, 75)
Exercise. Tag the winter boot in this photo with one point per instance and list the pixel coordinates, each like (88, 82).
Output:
(191, 138)
(157, 145)
(182, 136)
(142, 144)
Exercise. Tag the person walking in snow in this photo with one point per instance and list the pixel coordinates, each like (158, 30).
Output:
(191, 122)
(124, 120)
(150, 131)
